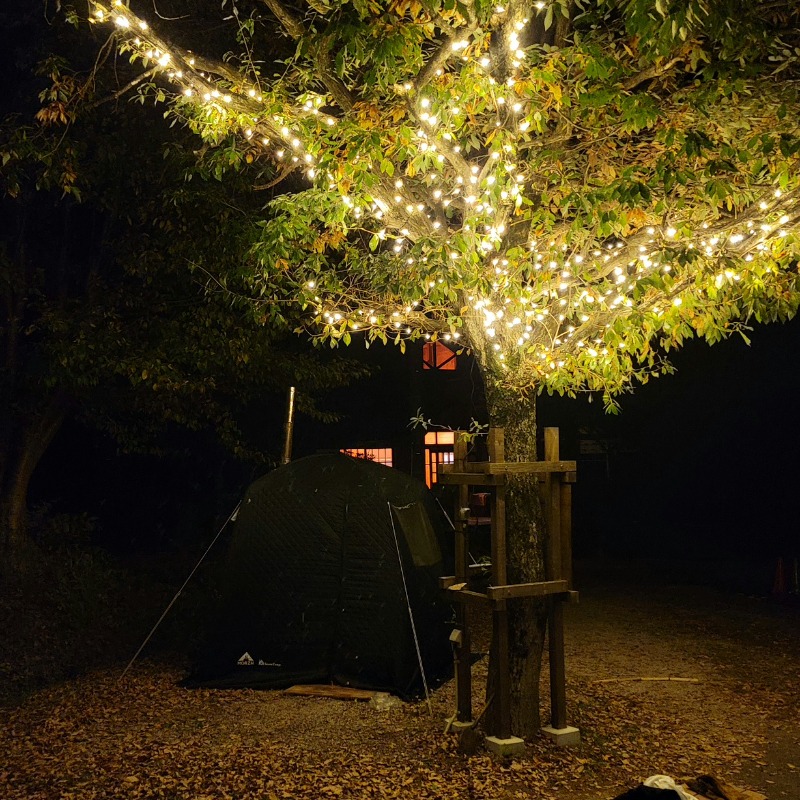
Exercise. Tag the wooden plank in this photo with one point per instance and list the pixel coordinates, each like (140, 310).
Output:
(334, 692)
(512, 467)
(446, 581)
(470, 478)
(538, 589)
(524, 467)
(466, 595)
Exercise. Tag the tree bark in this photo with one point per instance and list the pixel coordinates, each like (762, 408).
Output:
(516, 414)
(25, 452)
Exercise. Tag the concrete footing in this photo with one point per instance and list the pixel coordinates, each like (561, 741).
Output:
(505, 747)
(563, 737)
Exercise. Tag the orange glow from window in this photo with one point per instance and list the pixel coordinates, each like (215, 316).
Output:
(380, 455)
(438, 451)
(436, 355)
(440, 437)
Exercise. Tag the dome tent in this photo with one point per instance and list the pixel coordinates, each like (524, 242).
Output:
(313, 590)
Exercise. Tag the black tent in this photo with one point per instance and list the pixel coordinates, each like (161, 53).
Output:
(326, 556)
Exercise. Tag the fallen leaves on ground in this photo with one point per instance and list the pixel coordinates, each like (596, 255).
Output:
(98, 738)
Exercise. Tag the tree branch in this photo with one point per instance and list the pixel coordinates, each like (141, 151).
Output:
(282, 175)
(295, 28)
(440, 56)
(126, 88)
(652, 72)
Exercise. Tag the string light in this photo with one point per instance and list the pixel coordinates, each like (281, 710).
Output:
(474, 203)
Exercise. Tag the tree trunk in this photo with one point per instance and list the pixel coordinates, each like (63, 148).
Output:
(25, 452)
(525, 545)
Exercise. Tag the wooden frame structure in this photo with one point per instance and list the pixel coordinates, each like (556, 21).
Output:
(555, 479)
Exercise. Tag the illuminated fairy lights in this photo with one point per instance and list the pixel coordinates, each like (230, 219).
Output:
(554, 301)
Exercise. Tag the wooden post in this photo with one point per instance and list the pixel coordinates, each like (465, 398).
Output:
(553, 507)
(502, 699)
(496, 443)
(566, 532)
(462, 648)
(558, 694)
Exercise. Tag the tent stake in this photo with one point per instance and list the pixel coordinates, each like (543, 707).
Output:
(149, 636)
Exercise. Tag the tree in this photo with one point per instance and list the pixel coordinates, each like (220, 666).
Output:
(99, 319)
(568, 189)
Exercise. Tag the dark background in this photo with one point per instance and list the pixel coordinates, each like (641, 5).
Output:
(701, 464)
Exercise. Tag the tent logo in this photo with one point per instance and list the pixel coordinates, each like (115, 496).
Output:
(245, 660)
(262, 663)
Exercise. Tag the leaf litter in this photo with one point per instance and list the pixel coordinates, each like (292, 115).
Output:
(98, 738)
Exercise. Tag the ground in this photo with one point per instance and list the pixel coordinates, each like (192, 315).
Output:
(97, 736)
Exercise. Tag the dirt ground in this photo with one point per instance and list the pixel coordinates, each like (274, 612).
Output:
(144, 737)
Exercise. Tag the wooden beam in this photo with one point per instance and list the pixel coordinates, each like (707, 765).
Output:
(524, 467)
(511, 467)
(539, 589)
(446, 581)
(470, 478)
(467, 595)
(335, 692)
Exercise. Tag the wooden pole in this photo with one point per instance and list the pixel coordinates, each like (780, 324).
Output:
(462, 648)
(499, 578)
(288, 428)
(566, 532)
(558, 681)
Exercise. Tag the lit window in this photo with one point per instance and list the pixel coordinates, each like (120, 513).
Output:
(380, 455)
(438, 451)
(440, 437)
(436, 355)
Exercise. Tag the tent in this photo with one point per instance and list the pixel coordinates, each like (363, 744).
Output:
(327, 555)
